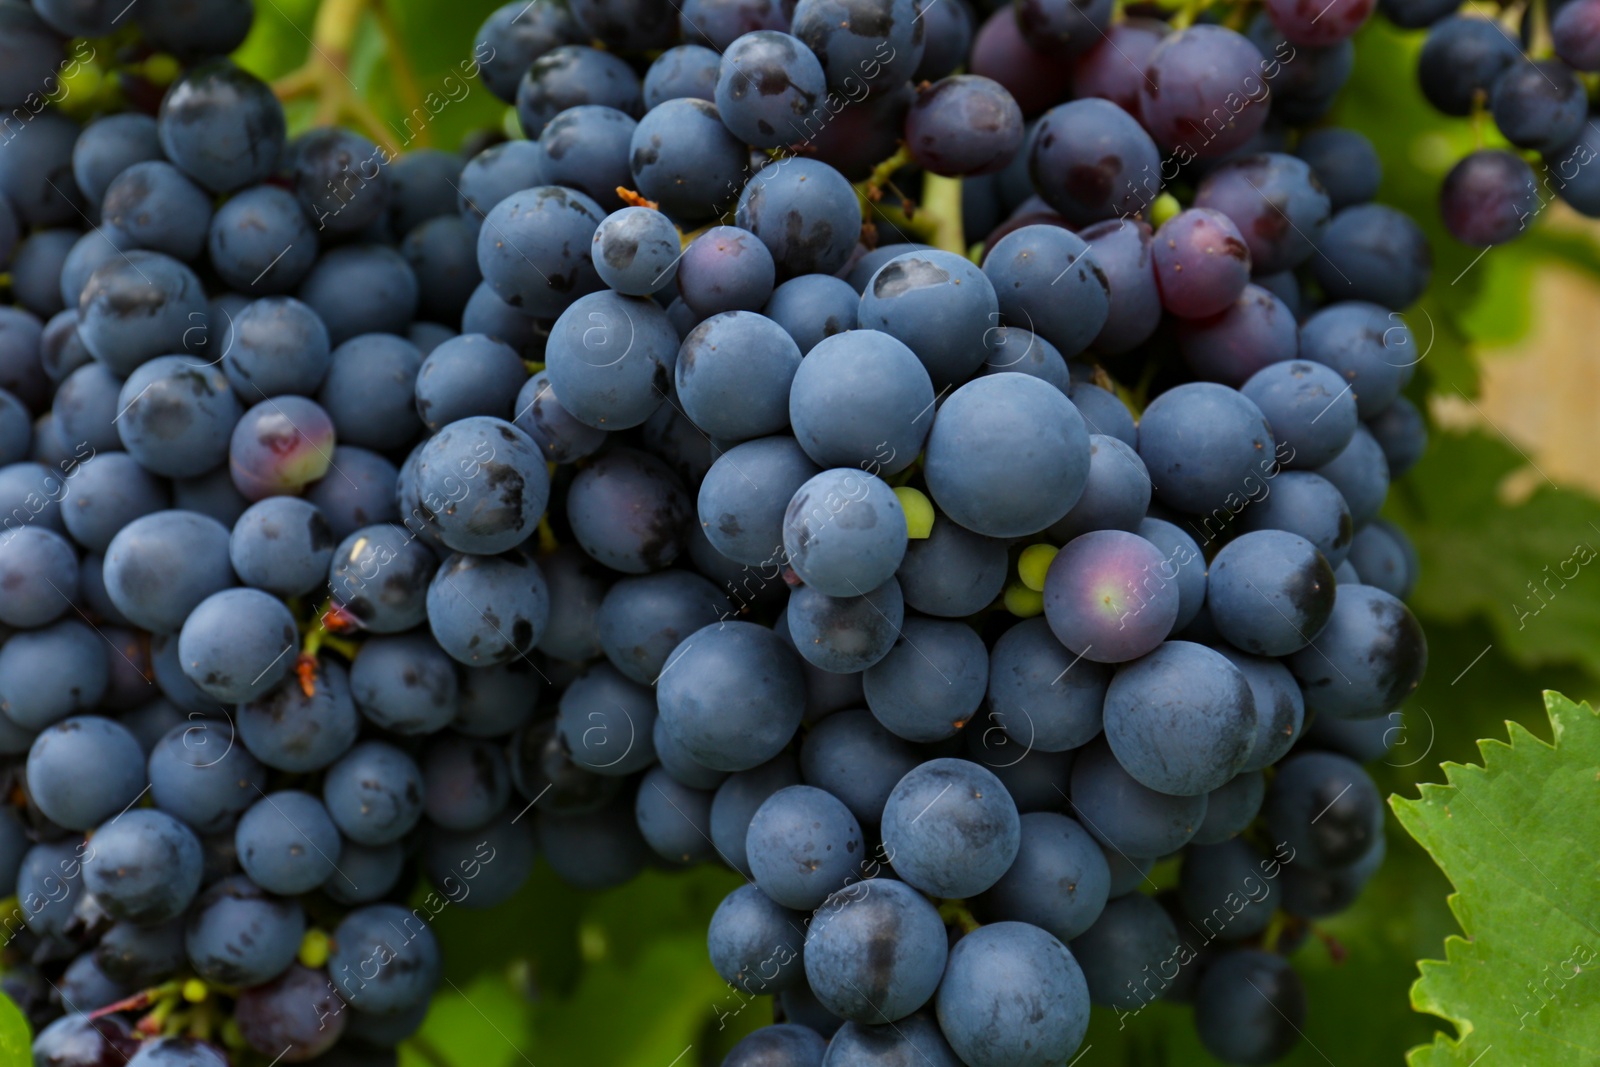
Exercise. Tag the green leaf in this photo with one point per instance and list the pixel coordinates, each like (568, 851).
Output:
(1517, 839)
(16, 1041)
(1532, 570)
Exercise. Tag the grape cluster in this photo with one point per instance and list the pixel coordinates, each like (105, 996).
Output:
(1528, 77)
(622, 494)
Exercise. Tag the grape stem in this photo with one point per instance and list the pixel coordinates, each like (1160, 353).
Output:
(325, 74)
(941, 200)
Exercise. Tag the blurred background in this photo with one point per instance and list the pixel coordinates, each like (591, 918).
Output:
(1509, 490)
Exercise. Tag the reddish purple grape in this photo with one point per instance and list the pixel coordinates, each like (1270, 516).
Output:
(1318, 23)
(1063, 27)
(1489, 197)
(1202, 263)
(1114, 69)
(1204, 93)
(964, 125)
(1106, 599)
(1575, 32)
(297, 1016)
(1256, 331)
(1034, 79)
(74, 1041)
(1277, 203)
(280, 446)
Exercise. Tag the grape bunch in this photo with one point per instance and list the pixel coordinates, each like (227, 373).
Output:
(669, 486)
(1525, 69)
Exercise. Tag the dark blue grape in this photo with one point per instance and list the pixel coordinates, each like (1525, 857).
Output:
(1311, 410)
(384, 932)
(689, 71)
(805, 212)
(1249, 1007)
(237, 644)
(31, 492)
(594, 850)
(534, 249)
(287, 844)
(496, 700)
(628, 511)
(373, 794)
(1090, 160)
(482, 483)
(1325, 808)
(636, 251)
(725, 269)
(1116, 495)
(238, 935)
(755, 943)
(492, 862)
(778, 1045)
(937, 303)
(422, 186)
(880, 42)
(641, 620)
(222, 126)
(1383, 557)
(586, 148)
(468, 375)
(194, 31)
(931, 683)
(854, 758)
(39, 572)
(282, 545)
(380, 575)
(1043, 696)
(515, 35)
(31, 54)
(1049, 281)
(1013, 996)
(769, 82)
(1125, 955)
(1539, 105)
(1270, 592)
(465, 782)
(202, 773)
(1130, 818)
(91, 252)
(1366, 661)
(486, 610)
(145, 867)
(85, 407)
(803, 844)
(1204, 444)
(685, 159)
(1007, 456)
(735, 804)
(1462, 57)
(359, 289)
(844, 532)
(443, 254)
(845, 635)
(964, 125)
(733, 375)
(950, 828)
(744, 495)
(369, 390)
(50, 673)
(1489, 198)
(405, 684)
(674, 819)
(607, 722)
(138, 956)
(1402, 433)
(36, 271)
(137, 307)
(1059, 881)
(1232, 806)
(152, 205)
(1225, 890)
(50, 880)
(61, 350)
(36, 169)
(276, 345)
(952, 572)
(813, 307)
(1373, 252)
(178, 1052)
(495, 173)
(731, 695)
(1012, 348)
(562, 438)
(570, 75)
(296, 1014)
(577, 585)
(339, 179)
(58, 758)
(176, 416)
(291, 730)
(1361, 474)
(1344, 161)
(1304, 503)
(897, 974)
(1280, 707)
